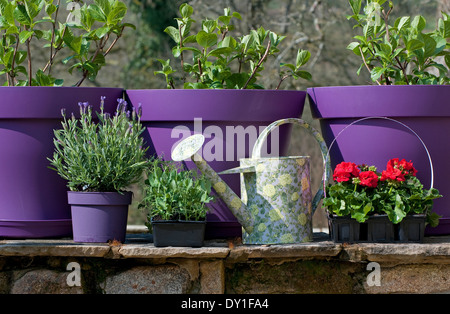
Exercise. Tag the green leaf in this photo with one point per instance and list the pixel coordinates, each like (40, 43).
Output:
(447, 60)
(414, 44)
(225, 19)
(288, 65)
(24, 35)
(403, 22)
(220, 51)
(21, 56)
(444, 28)
(21, 15)
(50, 9)
(104, 5)
(361, 215)
(186, 10)
(354, 45)
(96, 13)
(430, 46)
(356, 6)
(304, 74)
(117, 13)
(74, 44)
(205, 39)
(8, 13)
(228, 42)
(419, 23)
(302, 57)
(102, 31)
(209, 25)
(237, 15)
(399, 210)
(376, 73)
(173, 33)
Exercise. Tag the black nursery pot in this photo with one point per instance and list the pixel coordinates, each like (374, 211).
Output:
(377, 229)
(178, 233)
(343, 229)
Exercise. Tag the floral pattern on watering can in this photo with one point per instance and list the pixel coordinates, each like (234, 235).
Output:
(281, 202)
(278, 193)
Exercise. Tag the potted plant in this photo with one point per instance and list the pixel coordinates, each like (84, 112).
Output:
(394, 204)
(216, 92)
(33, 200)
(408, 64)
(99, 160)
(176, 203)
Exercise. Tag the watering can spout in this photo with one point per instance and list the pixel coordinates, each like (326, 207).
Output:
(188, 149)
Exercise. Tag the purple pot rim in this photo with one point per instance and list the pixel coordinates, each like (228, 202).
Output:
(375, 86)
(357, 101)
(46, 102)
(99, 198)
(217, 105)
(206, 91)
(59, 87)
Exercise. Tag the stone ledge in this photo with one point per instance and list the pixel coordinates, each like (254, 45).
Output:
(435, 250)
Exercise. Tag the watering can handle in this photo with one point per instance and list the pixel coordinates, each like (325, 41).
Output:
(323, 147)
(389, 119)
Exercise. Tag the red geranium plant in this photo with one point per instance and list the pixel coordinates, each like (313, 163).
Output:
(360, 191)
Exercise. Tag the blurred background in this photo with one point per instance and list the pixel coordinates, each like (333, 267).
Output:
(318, 26)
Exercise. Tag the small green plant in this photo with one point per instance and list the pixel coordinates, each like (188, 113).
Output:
(87, 36)
(171, 193)
(221, 60)
(360, 191)
(103, 156)
(404, 53)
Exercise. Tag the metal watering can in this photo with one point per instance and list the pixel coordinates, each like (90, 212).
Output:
(277, 204)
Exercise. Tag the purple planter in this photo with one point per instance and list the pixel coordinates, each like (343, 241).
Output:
(425, 109)
(33, 198)
(169, 117)
(99, 216)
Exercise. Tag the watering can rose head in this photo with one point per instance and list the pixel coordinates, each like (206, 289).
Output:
(360, 191)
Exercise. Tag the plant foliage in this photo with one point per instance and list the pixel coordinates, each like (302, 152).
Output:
(88, 35)
(175, 194)
(103, 156)
(404, 53)
(221, 60)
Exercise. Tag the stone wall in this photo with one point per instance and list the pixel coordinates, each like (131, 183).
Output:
(137, 267)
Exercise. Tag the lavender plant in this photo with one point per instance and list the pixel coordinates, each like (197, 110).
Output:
(87, 36)
(220, 60)
(103, 156)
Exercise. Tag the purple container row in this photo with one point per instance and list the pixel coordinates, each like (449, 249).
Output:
(33, 200)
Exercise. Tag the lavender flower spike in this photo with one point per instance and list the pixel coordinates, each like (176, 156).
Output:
(102, 103)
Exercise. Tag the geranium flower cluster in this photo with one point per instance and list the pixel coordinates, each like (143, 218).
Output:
(361, 191)
(366, 176)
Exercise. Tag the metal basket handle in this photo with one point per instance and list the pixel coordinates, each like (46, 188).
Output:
(384, 118)
(256, 153)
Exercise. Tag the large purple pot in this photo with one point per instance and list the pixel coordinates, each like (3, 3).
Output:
(167, 111)
(33, 198)
(425, 109)
(99, 216)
